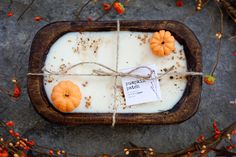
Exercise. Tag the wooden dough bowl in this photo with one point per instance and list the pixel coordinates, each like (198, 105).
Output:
(182, 111)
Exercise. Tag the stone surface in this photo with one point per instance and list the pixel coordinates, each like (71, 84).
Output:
(15, 41)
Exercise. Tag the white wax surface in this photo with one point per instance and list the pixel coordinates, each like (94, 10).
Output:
(134, 50)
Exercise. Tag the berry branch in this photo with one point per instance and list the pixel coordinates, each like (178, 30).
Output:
(219, 37)
(81, 9)
(21, 147)
(26, 9)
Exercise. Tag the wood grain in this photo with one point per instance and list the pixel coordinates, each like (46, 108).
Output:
(182, 111)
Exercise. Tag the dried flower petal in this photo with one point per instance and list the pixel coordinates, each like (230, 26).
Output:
(214, 124)
(218, 35)
(51, 152)
(229, 147)
(32, 143)
(179, 3)
(17, 134)
(200, 138)
(216, 130)
(106, 6)
(9, 14)
(26, 148)
(10, 123)
(16, 155)
(234, 54)
(12, 133)
(17, 91)
(233, 132)
(38, 18)
(90, 18)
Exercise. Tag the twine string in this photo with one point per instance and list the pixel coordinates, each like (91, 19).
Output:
(115, 86)
(98, 72)
(112, 72)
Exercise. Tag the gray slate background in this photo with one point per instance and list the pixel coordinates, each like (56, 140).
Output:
(91, 140)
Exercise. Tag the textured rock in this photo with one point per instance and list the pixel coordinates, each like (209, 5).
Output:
(15, 41)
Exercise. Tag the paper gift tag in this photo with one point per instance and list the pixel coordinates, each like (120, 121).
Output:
(138, 91)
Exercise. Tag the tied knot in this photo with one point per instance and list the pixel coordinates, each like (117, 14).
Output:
(106, 71)
(131, 73)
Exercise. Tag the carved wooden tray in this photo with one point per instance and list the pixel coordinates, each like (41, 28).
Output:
(183, 110)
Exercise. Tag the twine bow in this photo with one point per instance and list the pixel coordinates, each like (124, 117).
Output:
(100, 72)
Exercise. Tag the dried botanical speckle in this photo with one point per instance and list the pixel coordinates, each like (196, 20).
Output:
(178, 64)
(143, 38)
(85, 43)
(49, 79)
(88, 101)
(62, 67)
(85, 84)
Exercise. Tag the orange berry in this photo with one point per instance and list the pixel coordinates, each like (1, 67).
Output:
(120, 9)
(209, 79)
(38, 18)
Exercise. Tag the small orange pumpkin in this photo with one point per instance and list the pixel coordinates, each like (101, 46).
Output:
(66, 96)
(162, 43)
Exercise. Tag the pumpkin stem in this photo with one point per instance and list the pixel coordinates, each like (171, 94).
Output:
(67, 95)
